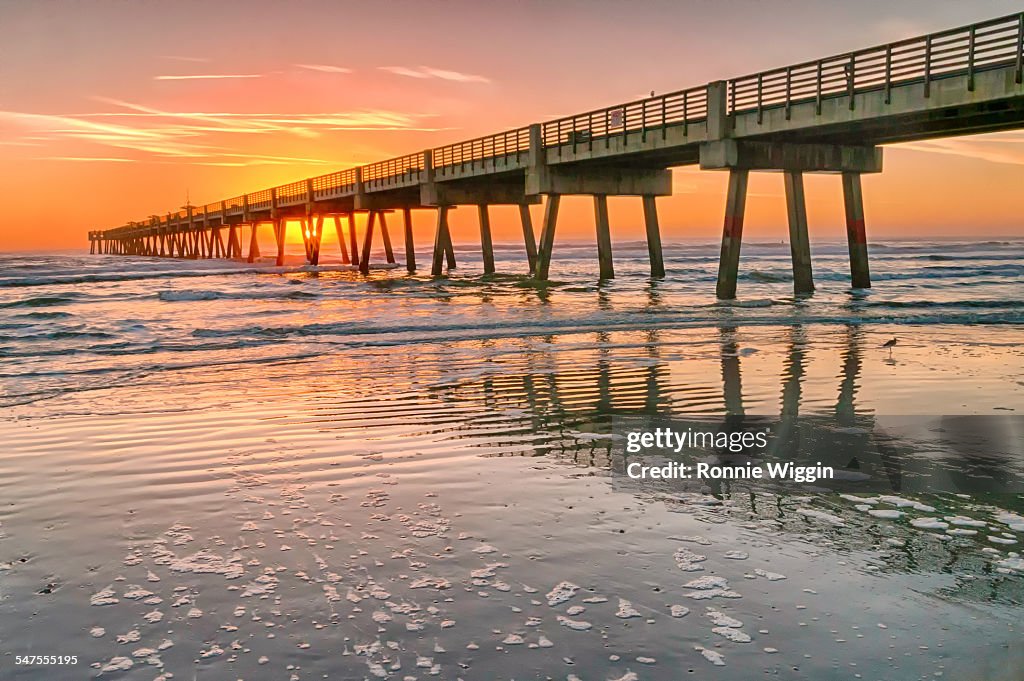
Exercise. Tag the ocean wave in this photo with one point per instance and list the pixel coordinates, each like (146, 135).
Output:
(766, 276)
(200, 295)
(89, 278)
(936, 304)
(42, 301)
(44, 315)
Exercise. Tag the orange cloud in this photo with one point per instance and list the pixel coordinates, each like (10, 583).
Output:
(430, 72)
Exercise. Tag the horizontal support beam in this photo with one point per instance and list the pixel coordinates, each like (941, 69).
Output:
(476, 194)
(602, 180)
(406, 197)
(809, 158)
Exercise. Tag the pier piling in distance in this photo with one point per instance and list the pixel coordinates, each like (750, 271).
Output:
(279, 234)
(442, 242)
(389, 254)
(352, 238)
(254, 244)
(341, 239)
(364, 257)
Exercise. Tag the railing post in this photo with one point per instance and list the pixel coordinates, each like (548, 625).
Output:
(760, 87)
(192, 233)
(789, 89)
(817, 97)
(664, 116)
(970, 60)
(888, 74)
(851, 78)
(927, 67)
(1020, 49)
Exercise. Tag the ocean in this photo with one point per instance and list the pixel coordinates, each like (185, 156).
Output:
(216, 470)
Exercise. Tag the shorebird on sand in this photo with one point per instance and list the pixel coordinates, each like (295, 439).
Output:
(889, 344)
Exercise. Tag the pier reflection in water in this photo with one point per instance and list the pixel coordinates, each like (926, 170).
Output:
(951, 475)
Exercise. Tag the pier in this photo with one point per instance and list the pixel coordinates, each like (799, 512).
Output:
(831, 115)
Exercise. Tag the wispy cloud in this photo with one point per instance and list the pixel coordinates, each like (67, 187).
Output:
(898, 28)
(1010, 149)
(157, 135)
(323, 68)
(210, 76)
(430, 72)
(175, 57)
(90, 159)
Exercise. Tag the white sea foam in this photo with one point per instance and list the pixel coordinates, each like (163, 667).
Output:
(929, 524)
(576, 625)
(562, 592)
(815, 514)
(734, 635)
(713, 656)
(104, 597)
(687, 560)
(626, 610)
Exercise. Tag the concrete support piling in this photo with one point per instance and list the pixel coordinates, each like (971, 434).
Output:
(442, 242)
(410, 245)
(653, 237)
(449, 247)
(389, 253)
(732, 233)
(254, 244)
(279, 234)
(318, 236)
(799, 245)
(528, 238)
(604, 237)
(352, 238)
(341, 240)
(486, 244)
(364, 257)
(547, 237)
(856, 235)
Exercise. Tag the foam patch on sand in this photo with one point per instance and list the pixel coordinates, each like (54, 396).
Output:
(562, 592)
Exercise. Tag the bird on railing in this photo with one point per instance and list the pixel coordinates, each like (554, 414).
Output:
(889, 344)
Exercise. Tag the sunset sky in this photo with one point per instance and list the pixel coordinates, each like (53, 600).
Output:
(111, 111)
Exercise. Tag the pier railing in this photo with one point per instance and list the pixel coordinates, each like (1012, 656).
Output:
(514, 143)
(643, 117)
(925, 59)
(965, 51)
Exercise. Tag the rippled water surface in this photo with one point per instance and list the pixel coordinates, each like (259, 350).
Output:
(216, 470)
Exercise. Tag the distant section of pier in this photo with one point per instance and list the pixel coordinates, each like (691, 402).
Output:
(825, 116)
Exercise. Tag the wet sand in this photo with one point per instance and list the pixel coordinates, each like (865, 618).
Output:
(453, 514)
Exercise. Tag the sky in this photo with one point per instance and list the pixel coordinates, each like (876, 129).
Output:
(111, 111)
